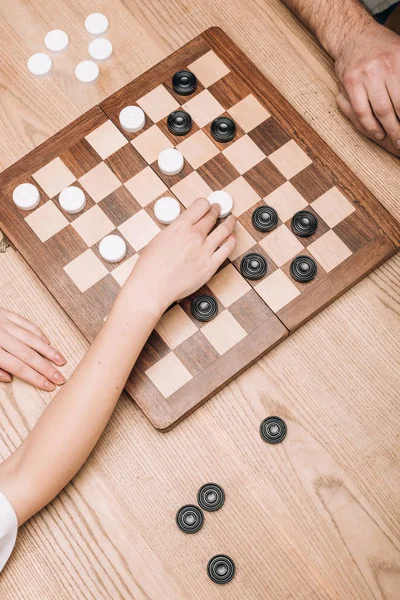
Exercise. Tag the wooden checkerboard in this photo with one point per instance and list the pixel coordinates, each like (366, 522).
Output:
(275, 159)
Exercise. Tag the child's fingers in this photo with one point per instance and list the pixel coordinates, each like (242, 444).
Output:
(196, 211)
(206, 223)
(221, 233)
(36, 343)
(22, 322)
(24, 372)
(223, 252)
(31, 358)
(4, 376)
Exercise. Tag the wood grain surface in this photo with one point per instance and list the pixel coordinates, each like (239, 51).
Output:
(314, 518)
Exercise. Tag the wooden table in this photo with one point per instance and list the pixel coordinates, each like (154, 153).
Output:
(316, 517)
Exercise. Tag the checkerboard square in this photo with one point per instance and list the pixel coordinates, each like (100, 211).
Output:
(244, 241)
(277, 290)
(198, 149)
(106, 139)
(158, 103)
(286, 200)
(223, 332)
(93, 225)
(329, 250)
(150, 143)
(100, 182)
(191, 188)
(139, 230)
(54, 177)
(203, 108)
(175, 326)
(244, 154)
(242, 194)
(86, 270)
(146, 186)
(228, 285)
(126, 162)
(209, 68)
(333, 207)
(46, 221)
(218, 172)
(168, 374)
(249, 113)
(290, 159)
(281, 245)
(122, 272)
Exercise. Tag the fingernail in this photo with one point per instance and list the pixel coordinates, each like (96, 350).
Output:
(59, 377)
(398, 143)
(59, 358)
(379, 136)
(5, 379)
(49, 386)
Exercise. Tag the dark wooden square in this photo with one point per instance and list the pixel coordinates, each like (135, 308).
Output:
(80, 158)
(126, 162)
(120, 206)
(269, 136)
(264, 178)
(218, 172)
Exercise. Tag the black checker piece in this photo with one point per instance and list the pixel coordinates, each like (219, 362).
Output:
(190, 518)
(253, 266)
(204, 307)
(211, 497)
(184, 83)
(304, 223)
(264, 218)
(221, 569)
(303, 269)
(179, 122)
(273, 430)
(223, 129)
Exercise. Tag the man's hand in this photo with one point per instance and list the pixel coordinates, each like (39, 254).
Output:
(23, 352)
(368, 67)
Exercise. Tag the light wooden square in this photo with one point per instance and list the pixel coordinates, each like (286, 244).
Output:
(92, 225)
(209, 68)
(228, 285)
(175, 326)
(158, 103)
(46, 221)
(244, 154)
(190, 188)
(146, 186)
(54, 177)
(168, 374)
(203, 108)
(223, 332)
(86, 270)
(249, 113)
(329, 250)
(106, 139)
(277, 290)
(122, 272)
(198, 149)
(286, 200)
(281, 245)
(290, 159)
(100, 182)
(139, 230)
(244, 241)
(333, 207)
(243, 195)
(150, 143)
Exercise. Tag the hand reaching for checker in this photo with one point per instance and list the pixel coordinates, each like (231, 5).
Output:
(26, 352)
(185, 255)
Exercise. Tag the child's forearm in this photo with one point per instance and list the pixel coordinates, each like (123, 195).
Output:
(71, 425)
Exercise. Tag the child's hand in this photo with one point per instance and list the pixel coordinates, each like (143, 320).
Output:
(185, 255)
(23, 350)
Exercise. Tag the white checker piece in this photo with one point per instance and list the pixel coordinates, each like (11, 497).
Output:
(26, 196)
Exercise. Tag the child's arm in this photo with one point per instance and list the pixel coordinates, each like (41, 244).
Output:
(177, 262)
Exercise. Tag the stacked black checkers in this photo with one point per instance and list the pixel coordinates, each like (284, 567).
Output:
(253, 266)
(204, 307)
(304, 223)
(221, 569)
(189, 518)
(273, 430)
(303, 269)
(211, 497)
(184, 82)
(223, 129)
(264, 218)
(179, 122)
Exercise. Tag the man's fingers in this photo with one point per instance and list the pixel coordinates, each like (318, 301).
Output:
(207, 222)
(24, 372)
(31, 358)
(196, 211)
(223, 252)
(359, 101)
(36, 343)
(22, 322)
(347, 110)
(221, 233)
(5, 377)
(393, 88)
(385, 112)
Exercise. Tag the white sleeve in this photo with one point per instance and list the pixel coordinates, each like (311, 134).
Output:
(8, 530)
